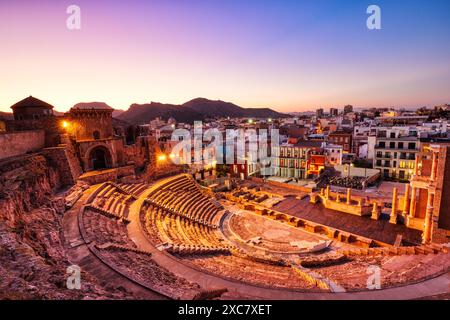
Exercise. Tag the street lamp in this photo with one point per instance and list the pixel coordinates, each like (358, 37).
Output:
(162, 157)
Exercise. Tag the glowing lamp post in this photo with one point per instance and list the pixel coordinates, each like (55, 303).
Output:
(65, 124)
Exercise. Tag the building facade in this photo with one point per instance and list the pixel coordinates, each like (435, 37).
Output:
(395, 153)
(304, 160)
(342, 138)
(31, 108)
(427, 202)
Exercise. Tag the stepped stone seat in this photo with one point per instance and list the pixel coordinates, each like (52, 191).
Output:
(101, 229)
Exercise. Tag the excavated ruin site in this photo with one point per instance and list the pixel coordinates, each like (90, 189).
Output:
(174, 239)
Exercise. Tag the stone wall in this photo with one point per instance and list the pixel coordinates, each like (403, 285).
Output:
(121, 173)
(66, 161)
(137, 153)
(282, 185)
(51, 125)
(18, 143)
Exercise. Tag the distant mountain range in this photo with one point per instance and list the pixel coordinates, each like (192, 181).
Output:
(196, 109)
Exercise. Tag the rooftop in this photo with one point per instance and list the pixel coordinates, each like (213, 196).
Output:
(31, 102)
(91, 106)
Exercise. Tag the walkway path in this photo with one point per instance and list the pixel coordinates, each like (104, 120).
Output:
(435, 286)
(78, 253)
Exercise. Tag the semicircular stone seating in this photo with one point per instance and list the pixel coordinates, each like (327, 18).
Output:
(103, 226)
(178, 214)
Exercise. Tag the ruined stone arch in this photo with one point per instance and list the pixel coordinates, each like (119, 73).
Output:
(99, 157)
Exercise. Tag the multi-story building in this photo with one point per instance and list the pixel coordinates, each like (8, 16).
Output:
(333, 112)
(395, 153)
(348, 109)
(361, 133)
(333, 154)
(319, 113)
(299, 161)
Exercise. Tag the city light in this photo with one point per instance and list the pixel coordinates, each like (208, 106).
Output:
(162, 157)
(65, 124)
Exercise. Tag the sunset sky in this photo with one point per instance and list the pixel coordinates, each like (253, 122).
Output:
(287, 55)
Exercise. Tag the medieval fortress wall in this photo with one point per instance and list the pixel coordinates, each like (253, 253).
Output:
(18, 143)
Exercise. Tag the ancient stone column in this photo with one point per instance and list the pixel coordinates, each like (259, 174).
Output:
(426, 236)
(327, 192)
(375, 215)
(412, 206)
(393, 218)
(406, 200)
(349, 196)
(434, 167)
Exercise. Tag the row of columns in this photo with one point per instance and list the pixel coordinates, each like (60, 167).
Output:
(410, 200)
(326, 193)
(409, 210)
(428, 223)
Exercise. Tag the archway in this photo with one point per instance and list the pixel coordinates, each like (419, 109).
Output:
(99, 158)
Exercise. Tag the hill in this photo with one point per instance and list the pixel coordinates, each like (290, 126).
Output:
(196, 109)
(143, 113)
(218, 108)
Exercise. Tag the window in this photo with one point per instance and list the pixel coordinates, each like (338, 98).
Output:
(96, 135)
(392, 145)
(400, 145)
(392, 134)
(382, 144)
(411, 145)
